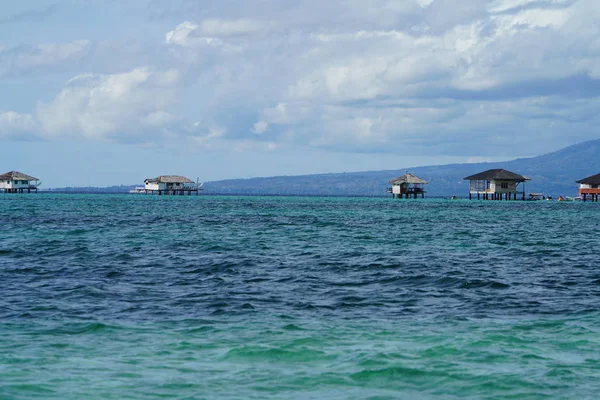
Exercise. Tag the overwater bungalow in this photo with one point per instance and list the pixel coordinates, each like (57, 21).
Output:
(589, 186)
(18, 182)
(170, 185)
(407, 185)
(497, 184)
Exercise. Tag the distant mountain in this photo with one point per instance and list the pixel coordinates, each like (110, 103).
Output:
(552, 174)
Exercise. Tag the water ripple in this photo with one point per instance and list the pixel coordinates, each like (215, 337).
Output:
(141, 296)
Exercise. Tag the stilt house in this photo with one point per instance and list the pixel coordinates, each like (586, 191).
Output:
(589, 186)
(18, 182)
(497, 184)
(407, 186)
(170, 185)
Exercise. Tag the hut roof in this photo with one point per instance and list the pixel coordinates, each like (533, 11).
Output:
(170, 179)
(407, 178)
(17, 176)
(591, 180)
(496, 174)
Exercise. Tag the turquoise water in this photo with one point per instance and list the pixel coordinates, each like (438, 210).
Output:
(142, 297)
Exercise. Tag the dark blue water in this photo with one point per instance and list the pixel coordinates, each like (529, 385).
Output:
(106, 296)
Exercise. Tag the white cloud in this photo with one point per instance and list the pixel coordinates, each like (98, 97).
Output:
(430, 75)
(288, 113)
(500, 6)
(208, 138)
(211, 32)
(158, 118)
(21, 59)
(15, 125)
(236, 27)
(424, 3)
(119, 106)
(188, 33)
(260, 127)
(181, 35)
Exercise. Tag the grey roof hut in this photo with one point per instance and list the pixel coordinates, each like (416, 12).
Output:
(496, 184)
(589, 186)
(407, 185)
(18, 182)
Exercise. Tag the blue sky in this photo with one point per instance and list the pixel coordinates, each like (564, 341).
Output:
(103, 92)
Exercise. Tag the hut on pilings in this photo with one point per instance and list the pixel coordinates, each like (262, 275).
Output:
(18, 182)
(170, 185)
(497, 184)
(589, 186)
(407, 185)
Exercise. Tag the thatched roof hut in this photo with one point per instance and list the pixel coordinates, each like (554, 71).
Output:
(18, 182)
(407, 185)
(169, 179)
(408, 178)
(169, 184)
(17, 176)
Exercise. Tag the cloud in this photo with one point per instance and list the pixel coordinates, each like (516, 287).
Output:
(183, 34)
(260, 127)
(41, 57)
(236, 27)
(158, 119)
(31, 15)
(211, 32)
(432, 76)
(125, 106)
(16, 126)
(207, 137)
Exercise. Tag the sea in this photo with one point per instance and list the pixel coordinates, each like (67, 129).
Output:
(225, 297)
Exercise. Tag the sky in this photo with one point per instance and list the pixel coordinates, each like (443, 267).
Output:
(109, 92)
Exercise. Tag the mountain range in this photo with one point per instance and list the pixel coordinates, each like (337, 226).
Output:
(552, 174)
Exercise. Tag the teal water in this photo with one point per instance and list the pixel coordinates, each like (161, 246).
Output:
(141, 297)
